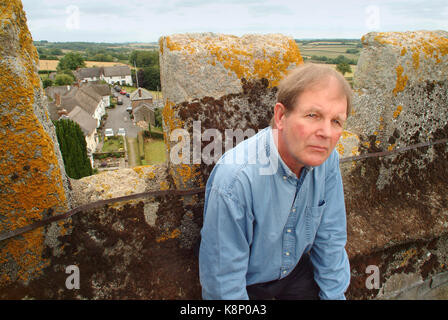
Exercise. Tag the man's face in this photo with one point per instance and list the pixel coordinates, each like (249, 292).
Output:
(309, 133)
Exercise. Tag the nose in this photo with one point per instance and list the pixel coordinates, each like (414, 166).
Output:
(324, 129)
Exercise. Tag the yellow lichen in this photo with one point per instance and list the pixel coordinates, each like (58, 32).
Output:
(408, 254)
(31, 179)
(242, 59)
(397, 111)
(340, 149)
(401, 80)
(174, 234)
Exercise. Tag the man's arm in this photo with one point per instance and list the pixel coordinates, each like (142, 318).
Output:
(328, 255)
(224, 251)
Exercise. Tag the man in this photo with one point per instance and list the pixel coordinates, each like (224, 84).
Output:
(276, 228)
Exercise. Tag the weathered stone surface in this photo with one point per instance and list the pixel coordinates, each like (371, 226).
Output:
(197, 65)
(223, 81)
(33, 184)
(397, 201)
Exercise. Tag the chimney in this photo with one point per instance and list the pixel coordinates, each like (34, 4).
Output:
(57, 99)
(62, 112)
(139, 92)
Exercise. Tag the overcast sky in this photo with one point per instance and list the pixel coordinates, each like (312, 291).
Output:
(146, 21)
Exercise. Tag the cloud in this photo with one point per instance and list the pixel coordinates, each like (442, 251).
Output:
(135, 20)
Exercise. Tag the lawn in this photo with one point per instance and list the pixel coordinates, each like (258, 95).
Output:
(112, 144)
(155, 151)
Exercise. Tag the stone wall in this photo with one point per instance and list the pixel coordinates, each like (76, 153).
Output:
(146, 248)
(33, 184)
(223, 82)
(397, 205)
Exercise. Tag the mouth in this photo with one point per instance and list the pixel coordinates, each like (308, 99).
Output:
(319, 148)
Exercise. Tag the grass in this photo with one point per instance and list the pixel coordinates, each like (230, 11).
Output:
(329, 50)
(155, 151)
(113, 144)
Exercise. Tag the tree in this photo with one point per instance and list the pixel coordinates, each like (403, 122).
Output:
(343, 67)
(144, 58)
(63, 79)
(47, 83)
(149, 77)
(71, 61)
(73, 146)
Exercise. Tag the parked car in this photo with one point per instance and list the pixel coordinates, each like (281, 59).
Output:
(117, 88)
(127, 94)
(109, 132)
(121, 132)
(119, 100)
(129, 109)
(122, 92)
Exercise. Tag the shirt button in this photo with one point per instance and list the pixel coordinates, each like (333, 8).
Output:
(284, 272)
(293, 209)
(287, 253)
(285, 177)
(289, 230)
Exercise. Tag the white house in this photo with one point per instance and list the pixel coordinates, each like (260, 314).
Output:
(92, 98)
(120, 74)
(112, 75)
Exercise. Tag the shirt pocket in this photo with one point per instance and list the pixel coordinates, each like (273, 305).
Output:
(313, 218)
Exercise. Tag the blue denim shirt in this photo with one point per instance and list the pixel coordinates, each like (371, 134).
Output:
(259, 219)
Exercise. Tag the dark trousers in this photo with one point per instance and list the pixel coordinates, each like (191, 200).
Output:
(298, 285)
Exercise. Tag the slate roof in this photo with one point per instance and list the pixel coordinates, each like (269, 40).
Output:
(61, 90)
(116, 71)
(85, 121)
(145, 95)
(83, 73)
(84, 96)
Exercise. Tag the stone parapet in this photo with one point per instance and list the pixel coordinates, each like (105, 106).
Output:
(33, 184)
(222, 81)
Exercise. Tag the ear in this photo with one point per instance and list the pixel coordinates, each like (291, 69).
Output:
(279, 115)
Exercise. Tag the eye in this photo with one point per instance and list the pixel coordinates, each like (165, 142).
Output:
(312, 115)
(337, 122)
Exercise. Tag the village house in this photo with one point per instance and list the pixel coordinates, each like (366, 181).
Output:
(112, 75)
(88, 74)
(143, 107)
(85, 104)
(88, 127)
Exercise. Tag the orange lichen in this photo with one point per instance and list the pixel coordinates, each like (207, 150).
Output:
(429, 43)
(416, 59)
(173, 235)
(397, 111)
(340, 149)
(164, 185)
(401, 80)
(29, 170)
(188, 173)
(242, 59)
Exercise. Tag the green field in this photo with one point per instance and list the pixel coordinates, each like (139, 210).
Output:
(329, 48)
(155, 151)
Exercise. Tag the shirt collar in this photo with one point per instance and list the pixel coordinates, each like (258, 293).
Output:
(285, 170)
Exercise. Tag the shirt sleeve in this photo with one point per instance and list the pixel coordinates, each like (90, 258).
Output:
(224, 250)
(328, 254)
